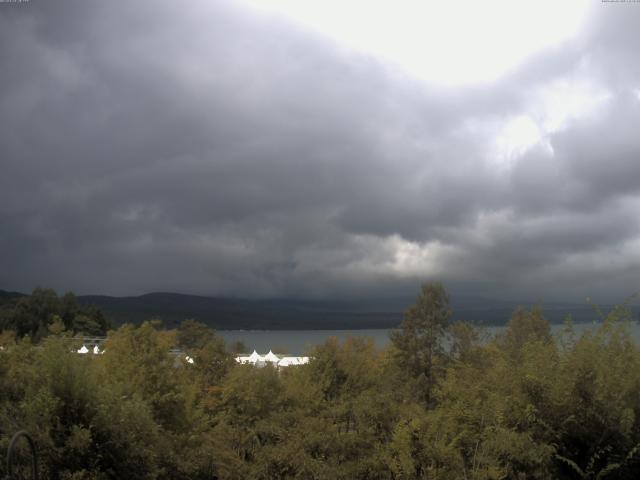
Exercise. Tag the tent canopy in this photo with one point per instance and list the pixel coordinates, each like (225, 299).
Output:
(255, 357)
(271, 357)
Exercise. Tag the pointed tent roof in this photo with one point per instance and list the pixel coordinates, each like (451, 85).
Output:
(83, 349)
(271, 357)
(255, 357)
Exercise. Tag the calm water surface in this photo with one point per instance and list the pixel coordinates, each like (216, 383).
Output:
(301, 341)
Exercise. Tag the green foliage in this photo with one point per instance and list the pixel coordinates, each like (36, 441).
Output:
(419, 340)
(34, 315)
(193, 334)
(525, 327)
(523, 405)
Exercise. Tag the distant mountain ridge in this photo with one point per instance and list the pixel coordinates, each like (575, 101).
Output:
(234, 314)
(6, 296)
(294, 314)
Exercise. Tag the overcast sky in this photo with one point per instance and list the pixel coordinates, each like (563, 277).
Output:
(320, 149)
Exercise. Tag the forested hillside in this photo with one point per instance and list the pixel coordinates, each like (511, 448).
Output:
(292, 314)
(43, 312)
(234, 313)
(522, 405)
(296, 314)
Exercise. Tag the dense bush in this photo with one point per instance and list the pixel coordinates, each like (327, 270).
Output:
(43, 311)
(522, 405)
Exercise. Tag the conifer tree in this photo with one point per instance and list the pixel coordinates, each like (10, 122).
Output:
(418, 341)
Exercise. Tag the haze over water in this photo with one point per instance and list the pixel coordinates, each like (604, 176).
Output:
(301, 341)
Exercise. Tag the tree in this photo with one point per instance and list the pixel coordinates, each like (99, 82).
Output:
(193, 334)
(465, 342)
(238, 346)
(33, 315)
(524, 327)
(418, 341)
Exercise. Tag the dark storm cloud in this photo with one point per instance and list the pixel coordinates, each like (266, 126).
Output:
(206, 148)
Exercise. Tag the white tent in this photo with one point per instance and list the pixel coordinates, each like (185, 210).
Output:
(255, 357)
(259, 360)
(96, 350)
(83, 350)
(271, 357)
(289, 361)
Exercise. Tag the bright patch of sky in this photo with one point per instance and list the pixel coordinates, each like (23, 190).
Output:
(569, 99)
(458, 43)
(447, 43)
(518, 135)
(553, 108)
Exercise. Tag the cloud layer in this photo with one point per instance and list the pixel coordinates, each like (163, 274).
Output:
(208, 148)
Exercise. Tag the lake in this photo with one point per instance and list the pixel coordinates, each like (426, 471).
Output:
(298, 342)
